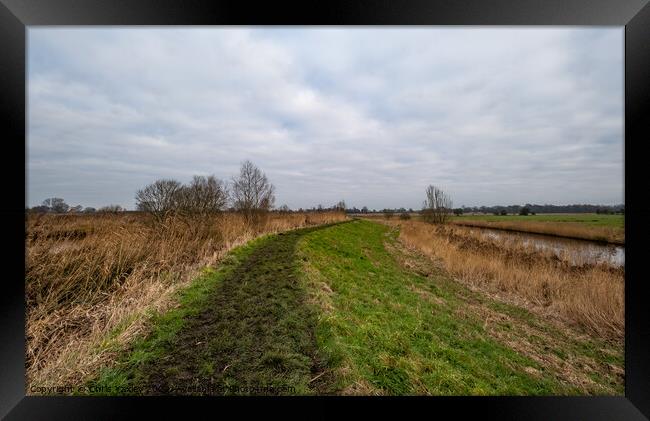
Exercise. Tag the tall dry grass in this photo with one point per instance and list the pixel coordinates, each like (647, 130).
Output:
(589, 296)
(92, 281)
(565, 229)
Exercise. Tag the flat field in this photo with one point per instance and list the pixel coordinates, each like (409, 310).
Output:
(591, 219)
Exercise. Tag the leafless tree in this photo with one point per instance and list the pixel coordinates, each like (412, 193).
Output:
(159, 198)
(56, 204)
(437, 206)
(202, 196)
(252, 192)
(340, 207)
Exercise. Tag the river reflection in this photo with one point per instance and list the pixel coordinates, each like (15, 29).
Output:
(575, 251)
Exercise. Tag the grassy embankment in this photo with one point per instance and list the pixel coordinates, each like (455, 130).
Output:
(347, 310)
(94, 281)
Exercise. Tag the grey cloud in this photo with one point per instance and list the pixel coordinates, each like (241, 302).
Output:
(372, 116)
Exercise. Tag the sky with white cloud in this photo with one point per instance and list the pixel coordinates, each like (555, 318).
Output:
(368, 115)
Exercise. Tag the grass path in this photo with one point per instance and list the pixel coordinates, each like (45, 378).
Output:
(394, 323)
(345, 309)
(243, 329)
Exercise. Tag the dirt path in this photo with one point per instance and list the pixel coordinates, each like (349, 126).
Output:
(256, 335)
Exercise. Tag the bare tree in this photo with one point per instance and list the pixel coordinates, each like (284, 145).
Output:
(159, 198)
(340, 207)
(56, 205)
(202, 196)
(437, 206)
(252, 192)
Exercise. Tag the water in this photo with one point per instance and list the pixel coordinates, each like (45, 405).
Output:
(575, 251)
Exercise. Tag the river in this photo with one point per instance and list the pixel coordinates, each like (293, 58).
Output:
(575, 251)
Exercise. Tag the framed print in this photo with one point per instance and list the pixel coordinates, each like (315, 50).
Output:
(382, 204)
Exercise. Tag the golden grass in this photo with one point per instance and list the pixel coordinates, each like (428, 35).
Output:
(563, 229)
(590, 297)
(93, 281)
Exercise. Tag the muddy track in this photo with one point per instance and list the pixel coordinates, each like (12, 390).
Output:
(256, 332)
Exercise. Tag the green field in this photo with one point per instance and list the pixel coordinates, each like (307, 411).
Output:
(592, 219)
(344, 309)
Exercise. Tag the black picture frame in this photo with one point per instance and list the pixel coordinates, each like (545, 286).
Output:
(634, 15)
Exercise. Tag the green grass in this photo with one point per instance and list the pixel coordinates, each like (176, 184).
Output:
(591, 219)
(392, 331)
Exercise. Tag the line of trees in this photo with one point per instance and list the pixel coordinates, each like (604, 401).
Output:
(58, 205)
(250, 193)
(384, 211)
(338, 207)
(534, 208)
(509, 210)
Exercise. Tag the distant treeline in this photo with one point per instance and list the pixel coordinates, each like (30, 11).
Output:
(366, 210)
(58, 205)
(548, 209)
(512, 209)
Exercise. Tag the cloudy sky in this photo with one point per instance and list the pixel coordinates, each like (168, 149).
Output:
(368, 115)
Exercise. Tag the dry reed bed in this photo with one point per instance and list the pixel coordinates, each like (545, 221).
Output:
(92, 281)
(560, 229)
(590, 297)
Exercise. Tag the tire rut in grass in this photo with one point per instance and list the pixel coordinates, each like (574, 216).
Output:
(256, 331)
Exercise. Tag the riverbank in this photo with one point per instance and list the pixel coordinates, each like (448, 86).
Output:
(602, 228)
(590, 297)
(575, 230)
